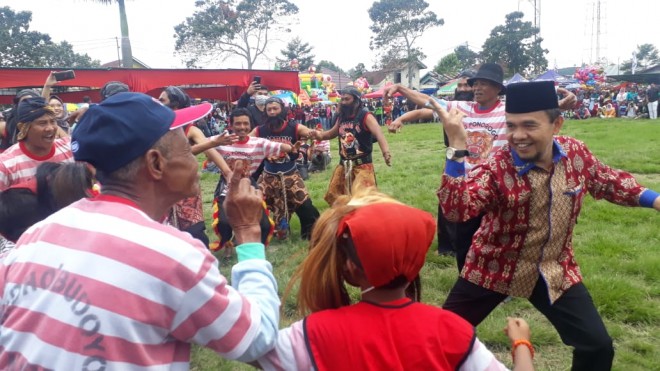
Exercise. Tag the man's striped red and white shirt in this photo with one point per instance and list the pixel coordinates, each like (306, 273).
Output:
(18, 165)
(100, 285)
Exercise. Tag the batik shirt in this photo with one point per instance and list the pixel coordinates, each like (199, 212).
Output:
(530, 214)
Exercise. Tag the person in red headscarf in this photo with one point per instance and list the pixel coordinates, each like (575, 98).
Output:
(388, 328)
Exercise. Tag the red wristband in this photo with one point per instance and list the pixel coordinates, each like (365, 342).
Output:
(521, 342)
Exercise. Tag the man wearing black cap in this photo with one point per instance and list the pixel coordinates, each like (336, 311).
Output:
(530, 192)
(447, 231)
(485, 123)
(128, 291)
(283, 186)
(39, 140)
(356, 129)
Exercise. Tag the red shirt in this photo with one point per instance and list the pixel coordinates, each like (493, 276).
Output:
(402, 335)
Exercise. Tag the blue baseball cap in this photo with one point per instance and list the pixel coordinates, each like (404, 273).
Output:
(125, 126)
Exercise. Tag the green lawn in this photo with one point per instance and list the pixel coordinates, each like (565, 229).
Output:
(616, 247)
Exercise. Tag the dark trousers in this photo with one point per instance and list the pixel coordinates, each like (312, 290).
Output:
(456, 236)
(307, 214)
(444, 243)
(573, 315)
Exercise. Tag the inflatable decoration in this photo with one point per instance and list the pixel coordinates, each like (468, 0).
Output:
(590, 76)
(294, 64)
(361, 84)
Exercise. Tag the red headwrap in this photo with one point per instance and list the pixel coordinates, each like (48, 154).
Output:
(390, 240)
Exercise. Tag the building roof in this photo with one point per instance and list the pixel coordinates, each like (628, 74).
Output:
(434, 78)
(339, 78)
(117, 64)
(376, 77)
(567, 71)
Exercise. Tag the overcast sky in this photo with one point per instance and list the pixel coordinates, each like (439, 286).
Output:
(339, 29)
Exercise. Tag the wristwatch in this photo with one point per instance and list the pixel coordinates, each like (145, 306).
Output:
(454, 154)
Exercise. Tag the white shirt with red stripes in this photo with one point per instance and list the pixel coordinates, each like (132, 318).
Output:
(100, 285)
(486, 129)
(252, 151)
(17, 164)
(322, 146)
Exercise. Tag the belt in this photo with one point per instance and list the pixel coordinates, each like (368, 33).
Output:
(359, 160)
(287, 172)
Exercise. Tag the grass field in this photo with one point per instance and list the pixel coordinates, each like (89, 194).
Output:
(618, 248)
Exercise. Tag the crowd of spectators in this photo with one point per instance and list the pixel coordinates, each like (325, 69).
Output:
(632, 101)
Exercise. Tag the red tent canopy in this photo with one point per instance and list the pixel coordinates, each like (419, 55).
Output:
(213, 84)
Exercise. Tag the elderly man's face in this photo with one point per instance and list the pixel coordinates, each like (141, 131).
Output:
(485, 91)
(181, 176)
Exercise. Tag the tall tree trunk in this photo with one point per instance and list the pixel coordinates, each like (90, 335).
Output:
(126, 53)
(410, 61)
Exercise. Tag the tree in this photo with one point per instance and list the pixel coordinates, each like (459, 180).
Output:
(357, 71)
(516, 46)
(225, 28)
(466, 57)
(298, 50)
(449, 65)
(126, 51)
(397, 24)
(20, 47)
(328, 65)
(647, 56)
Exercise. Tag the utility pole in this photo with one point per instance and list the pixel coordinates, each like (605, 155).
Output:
(598, 31)
(118, 55)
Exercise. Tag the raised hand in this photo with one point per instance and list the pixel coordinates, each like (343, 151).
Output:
(395, 126)
(224, 139)
(244, 207)
(568, 101)
(517, 329)
(452, 121)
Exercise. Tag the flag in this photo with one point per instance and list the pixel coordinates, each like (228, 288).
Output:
(634, 62)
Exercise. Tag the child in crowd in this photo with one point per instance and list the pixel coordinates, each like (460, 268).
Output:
(388, 328)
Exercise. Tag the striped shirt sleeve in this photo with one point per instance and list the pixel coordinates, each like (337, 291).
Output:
(481, 359)
(290, 351)
(270, 148)
(238, 323)
(4, 177)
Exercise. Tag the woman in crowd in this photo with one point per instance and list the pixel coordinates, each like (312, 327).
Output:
(61, 114)
(388, 328)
